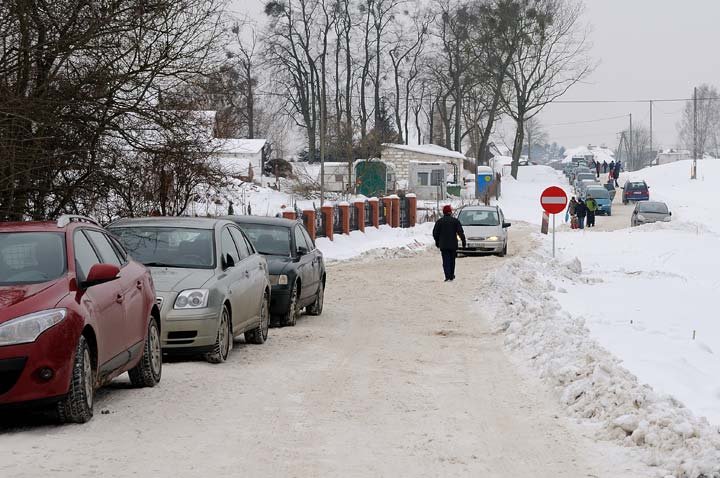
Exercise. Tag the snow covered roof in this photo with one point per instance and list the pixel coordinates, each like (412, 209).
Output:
(240, 146)
(432, 149)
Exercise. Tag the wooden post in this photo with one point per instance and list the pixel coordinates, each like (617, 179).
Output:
(374, 212)
(345, 217)
(359, 206)
(412, 209)
(309, 220)
(328, 216)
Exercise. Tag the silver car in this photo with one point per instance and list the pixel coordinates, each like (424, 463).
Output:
(485, 230)
(647, 212)
(211, 283)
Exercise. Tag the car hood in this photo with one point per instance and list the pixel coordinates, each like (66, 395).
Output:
(482, 231)
(277, 264)
(17, 300)
(175, 279)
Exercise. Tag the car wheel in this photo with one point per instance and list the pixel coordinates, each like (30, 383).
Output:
(221, 349)
(316, 307)
(148, 371)
(77, 406)
(291, 316)
(259, 334)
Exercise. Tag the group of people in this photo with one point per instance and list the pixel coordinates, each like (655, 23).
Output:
(578, 211)
(612, 169)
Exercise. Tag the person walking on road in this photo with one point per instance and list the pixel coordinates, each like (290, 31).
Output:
(597, 169)
(616, 173)
(611, 169)
(581, 212)
(446, 232)
(605, 166)
(572, 205)
(591, 206)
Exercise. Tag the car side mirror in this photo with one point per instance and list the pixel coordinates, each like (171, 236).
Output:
(670, 213)
(301, 251)
(228, 261)
(100, 274)
(506, 225)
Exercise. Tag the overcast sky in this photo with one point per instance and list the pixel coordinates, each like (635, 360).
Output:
(646, 49)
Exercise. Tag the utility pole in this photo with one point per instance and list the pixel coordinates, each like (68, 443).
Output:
(651, 127)
(631, 157)
(693, 174)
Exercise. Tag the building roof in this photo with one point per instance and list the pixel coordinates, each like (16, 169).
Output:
(431, 149)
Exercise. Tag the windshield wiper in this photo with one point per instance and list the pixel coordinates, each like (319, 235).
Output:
(158, 264)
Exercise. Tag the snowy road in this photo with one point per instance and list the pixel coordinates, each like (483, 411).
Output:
(401, 376)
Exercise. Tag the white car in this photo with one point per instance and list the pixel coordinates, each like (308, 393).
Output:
(485, 230)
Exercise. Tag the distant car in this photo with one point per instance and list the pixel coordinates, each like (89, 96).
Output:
(211, 283)
(76, 313)
(296, 266)
(635, 191)
(583, 185)
(601, 197)
(485, 230)
(584, 177)
(647, 212)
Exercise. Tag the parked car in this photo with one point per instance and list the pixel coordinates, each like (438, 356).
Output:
(583, 185)
(635, 191)
(584, 177)
(579, 170)
(297, 269)
(485, 230)
(601, 197)
(647, 212)
(212, 285)
(76, 313)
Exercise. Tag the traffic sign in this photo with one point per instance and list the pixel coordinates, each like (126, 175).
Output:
(553, 200)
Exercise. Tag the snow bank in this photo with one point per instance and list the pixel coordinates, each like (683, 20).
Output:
(382, 242)
(520, 200)
(590, 382)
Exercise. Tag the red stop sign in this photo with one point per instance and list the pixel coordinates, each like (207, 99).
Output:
(553, 200)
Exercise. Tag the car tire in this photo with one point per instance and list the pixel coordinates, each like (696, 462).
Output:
(77, 406)
(291, 316)
(148, 372)
(259, 334)
(221, 349)
(316, 307)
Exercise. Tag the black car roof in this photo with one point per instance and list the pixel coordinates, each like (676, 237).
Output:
(264, 220)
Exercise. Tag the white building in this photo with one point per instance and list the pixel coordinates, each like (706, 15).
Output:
(239, 156)
(400, 156)
(671, 155)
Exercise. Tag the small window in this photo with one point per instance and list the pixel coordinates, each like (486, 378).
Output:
(308, 239)
(85, 256)
(227, 246)
(300, 240)
(103, 246)
(242, 246)
(437, 177)
(423, 179)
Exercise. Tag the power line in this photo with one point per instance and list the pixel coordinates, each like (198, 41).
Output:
(589, 121)
(663, 100)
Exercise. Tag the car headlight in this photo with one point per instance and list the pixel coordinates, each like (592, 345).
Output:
(192, 299)
(27, 328)
(640, 217)
(493, 238)
(278, 279)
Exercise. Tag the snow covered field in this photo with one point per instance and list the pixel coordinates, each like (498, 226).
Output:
(638, 293)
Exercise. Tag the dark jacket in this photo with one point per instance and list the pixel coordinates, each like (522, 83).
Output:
(446, 231)
(581, 209)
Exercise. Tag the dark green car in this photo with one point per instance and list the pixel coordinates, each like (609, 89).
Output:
(296, 266)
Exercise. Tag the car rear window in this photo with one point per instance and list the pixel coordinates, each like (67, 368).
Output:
(598, 193)
(267, 239)
(653, 207)
(31, 257)
(637, 186)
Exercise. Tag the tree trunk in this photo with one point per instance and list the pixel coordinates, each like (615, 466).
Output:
(517, 147)
(250, 103)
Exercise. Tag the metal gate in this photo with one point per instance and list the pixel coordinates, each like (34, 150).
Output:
(382, 211)
(404, 217)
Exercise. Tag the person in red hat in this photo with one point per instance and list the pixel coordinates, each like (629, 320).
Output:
(446, 232)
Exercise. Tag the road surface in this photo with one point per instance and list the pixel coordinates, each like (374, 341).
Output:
(401, 376)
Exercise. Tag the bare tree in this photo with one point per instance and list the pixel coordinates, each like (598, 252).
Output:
(535, 134)
(550, 59)
(708, 122)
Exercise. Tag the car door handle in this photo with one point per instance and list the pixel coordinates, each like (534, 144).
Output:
(247, 274)
(119, 299)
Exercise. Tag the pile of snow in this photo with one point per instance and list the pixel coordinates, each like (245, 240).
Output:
(600, 153)
(590, 382)
(383, 242)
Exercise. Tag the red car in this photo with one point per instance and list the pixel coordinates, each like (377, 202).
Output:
(75, 312)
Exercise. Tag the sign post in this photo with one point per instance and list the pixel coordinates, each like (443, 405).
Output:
(553, 200)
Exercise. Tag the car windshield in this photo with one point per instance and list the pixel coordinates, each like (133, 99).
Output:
(653, 207)
(479, 217)
(269, 240)
(169, 246)
(31, 257)
(598, 193)
(636, 186)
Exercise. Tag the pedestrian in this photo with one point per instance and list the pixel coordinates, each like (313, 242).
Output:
(572, 205)
(446, 232)
(616, 173)
(581, 212)
(605, 166)
(597, 168)
(611, 167)
(591, 206)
